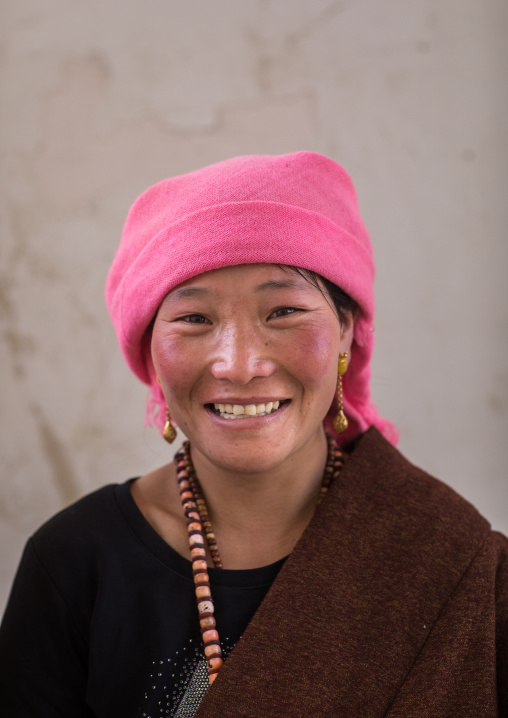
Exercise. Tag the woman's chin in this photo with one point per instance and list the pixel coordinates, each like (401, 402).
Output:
(253, 445)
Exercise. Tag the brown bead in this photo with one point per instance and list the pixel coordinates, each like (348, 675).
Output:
(205, 607)
(199, 565)
(203, 592)
(201, 578)
(198, 551)
(212, 650)
(207, 622)
(200, 528)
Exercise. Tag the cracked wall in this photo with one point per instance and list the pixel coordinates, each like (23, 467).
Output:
(100, 100)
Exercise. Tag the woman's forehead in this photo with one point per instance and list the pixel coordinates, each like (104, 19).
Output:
(257, 277)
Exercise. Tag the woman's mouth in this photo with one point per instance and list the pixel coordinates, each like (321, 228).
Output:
(246, 411)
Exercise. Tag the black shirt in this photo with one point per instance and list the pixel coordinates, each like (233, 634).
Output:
(102, 618)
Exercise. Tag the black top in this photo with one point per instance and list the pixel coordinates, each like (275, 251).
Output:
(102, 618)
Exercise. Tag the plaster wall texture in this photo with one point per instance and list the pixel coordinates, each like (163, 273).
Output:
(101, 99)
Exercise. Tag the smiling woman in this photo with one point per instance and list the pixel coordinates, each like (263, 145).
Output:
(245, 337)
(242, 294)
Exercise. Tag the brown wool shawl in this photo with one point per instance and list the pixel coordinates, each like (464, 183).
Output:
(393, 603)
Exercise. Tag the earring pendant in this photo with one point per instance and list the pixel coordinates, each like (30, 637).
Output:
(169, 431)
(340, 422)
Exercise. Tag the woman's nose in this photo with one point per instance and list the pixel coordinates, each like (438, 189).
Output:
(241, 356)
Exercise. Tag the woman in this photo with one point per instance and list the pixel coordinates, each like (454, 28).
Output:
(292, 576)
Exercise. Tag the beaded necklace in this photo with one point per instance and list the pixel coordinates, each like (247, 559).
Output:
(200, 528)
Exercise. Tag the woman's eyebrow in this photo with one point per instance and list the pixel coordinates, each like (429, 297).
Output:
(283, 284)
(186, 292)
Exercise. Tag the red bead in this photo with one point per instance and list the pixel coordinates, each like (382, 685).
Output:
(210, 635)
(215, 662)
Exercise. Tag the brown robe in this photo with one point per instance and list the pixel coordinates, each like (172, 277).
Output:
(393, 603)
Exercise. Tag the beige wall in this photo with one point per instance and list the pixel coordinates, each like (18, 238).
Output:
(101, 99)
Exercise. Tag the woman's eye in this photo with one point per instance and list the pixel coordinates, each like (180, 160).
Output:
(193, 319)
(285, 311)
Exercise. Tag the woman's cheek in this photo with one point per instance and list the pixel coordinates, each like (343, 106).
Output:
(316, 357)
(174, 361)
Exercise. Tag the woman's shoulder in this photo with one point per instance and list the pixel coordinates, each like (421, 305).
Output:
(92, 521)
(382, 465)
(400, 501)
(71, 550)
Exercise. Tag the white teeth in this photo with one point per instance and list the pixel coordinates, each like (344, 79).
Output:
(237, 411)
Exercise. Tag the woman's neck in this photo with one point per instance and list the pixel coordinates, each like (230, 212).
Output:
(258, 517)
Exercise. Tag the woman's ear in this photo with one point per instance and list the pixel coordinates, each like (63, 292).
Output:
(347, 332)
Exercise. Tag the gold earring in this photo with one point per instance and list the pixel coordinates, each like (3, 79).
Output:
(340, 423)
(169, 431)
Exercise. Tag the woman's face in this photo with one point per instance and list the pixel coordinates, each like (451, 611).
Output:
(232, 345)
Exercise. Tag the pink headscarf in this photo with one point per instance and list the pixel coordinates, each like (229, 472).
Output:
(297, 209)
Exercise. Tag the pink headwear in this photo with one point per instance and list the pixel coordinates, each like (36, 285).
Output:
(297, 209)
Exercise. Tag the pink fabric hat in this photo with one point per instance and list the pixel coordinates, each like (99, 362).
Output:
(297, 209)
